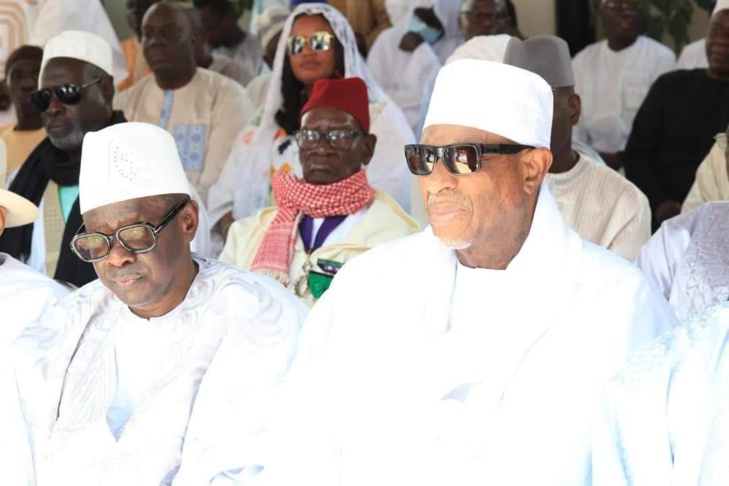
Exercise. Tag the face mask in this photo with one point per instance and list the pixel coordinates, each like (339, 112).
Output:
(428, 33)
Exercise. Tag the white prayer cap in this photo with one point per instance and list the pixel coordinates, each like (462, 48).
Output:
(493, 97)
(128, 161)
(80, 45)
(720, 5)
(482, 47)
(18, 210)
(545, 55)
(271, 22)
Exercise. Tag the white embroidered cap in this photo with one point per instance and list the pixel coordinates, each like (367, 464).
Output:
(18, 210)
(493, 97)
(128, 161)
(80, 45)
(720, 5)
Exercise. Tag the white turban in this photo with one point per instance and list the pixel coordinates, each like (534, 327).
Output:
(493, 97)
(128, 161)
(80, 45)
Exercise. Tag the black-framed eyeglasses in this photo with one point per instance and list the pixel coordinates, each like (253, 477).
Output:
(135, 238)
(68, 94)
(339, 139)
(319, 41)
(459, 159)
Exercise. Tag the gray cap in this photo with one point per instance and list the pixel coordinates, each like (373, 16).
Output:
(545, 55)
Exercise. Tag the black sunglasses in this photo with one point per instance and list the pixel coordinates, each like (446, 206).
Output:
(459, 159)
(135, 238)
(68, 94)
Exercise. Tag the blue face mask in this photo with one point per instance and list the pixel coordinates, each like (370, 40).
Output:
(428, 33)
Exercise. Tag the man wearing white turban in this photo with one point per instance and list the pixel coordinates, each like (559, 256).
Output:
(124, 381)
(479, 355)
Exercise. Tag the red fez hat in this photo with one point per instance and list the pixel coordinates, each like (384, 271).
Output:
(346, 94)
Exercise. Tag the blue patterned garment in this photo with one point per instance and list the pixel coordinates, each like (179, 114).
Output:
(190, 140)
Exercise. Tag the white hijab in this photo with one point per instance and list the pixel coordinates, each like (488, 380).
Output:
(447, 12)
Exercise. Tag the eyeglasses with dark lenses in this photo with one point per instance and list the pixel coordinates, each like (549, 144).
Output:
(319, 41)
(459, 159)
(135, 238)
(68, 94)
(338, 139)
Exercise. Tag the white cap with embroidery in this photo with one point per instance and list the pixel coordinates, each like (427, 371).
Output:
(128, 161)
(80, 45)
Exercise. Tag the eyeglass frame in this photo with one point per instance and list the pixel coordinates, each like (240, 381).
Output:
(481, 150)
(326, 134)
(156, 229)
(52, 91)
(289, 42)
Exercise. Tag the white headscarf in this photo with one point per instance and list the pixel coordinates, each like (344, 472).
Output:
(354, 65)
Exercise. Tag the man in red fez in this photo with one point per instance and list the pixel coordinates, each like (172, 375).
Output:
(332, 214)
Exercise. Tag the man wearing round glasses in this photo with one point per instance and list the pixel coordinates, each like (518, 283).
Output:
(74, 97)
(478, 346)
(333, 211)
(132, 375)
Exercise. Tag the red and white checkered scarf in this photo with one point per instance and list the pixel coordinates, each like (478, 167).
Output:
(295, 197)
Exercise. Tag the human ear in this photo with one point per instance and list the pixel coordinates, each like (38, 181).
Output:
(536, 164)
(189, 218)
(369, 142)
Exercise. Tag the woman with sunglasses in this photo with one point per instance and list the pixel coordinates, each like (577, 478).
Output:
(316, 43)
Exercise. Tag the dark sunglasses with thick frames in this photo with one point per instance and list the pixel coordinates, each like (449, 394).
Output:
(459, 159)
(341, 139)
(318, 41)
(68, 94)
(134, 238)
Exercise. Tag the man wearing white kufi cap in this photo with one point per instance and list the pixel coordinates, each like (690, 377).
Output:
(693, 56)
(140, 376)
(74, 97)
(482, 358)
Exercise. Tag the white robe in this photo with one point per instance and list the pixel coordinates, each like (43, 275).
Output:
(24, 295)
(602, 207)
(612, 86)
(262, 148)
(711, 183)
(405, 75)
(666, 416)
(394, 384)
(245, 335)
(693, 56)
(687, 259)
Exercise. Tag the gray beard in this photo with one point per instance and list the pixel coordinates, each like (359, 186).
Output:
(454, 243)
(71, 141)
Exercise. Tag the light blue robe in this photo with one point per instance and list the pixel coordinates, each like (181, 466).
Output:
(666, 417)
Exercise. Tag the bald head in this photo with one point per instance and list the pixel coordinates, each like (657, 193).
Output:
(168, 41)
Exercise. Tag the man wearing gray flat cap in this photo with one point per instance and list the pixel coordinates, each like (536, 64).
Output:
(596, 202)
